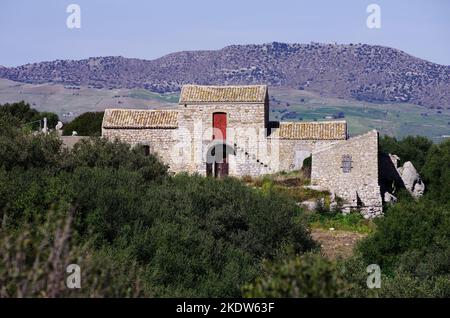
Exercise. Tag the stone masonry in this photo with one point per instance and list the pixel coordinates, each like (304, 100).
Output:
(349, 169)
(184, 138)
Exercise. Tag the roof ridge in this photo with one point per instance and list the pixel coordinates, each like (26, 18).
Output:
(314, 122)
(226, 86)
(140, 119)
(141, 109)
(193, 93)
(313, 130)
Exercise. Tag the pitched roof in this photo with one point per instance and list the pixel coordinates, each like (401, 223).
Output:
(139, 119)
(325, 130)
(223, 94)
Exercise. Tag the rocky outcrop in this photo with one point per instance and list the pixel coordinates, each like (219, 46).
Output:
(394, 177)
(389, 198)
(411, 179)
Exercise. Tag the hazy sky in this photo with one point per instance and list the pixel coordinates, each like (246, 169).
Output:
(33, 31)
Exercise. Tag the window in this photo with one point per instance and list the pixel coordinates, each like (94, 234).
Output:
(146, 150)
(346, 163)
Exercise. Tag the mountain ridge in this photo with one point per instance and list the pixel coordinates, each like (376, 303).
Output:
(352, 71)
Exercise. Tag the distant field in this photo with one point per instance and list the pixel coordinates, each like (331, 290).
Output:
(64, 99)
(147, 95)
(286, 104)
(393, 119)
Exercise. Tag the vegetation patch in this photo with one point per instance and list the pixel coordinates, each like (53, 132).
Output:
(353, 222)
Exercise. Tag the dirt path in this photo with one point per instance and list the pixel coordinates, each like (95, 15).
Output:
(336, 243)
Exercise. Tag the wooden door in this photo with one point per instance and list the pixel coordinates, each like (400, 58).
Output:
(220, 126)
(220, 133)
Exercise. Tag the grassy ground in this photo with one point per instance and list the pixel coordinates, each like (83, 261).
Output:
(293, 184)
(337, 233)
(352, 222)
(336, 244)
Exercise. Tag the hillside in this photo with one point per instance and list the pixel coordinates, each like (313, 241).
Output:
(355, 71)
(286, 104)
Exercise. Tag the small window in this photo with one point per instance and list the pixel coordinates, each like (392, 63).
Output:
(346, 163)
(146, 150)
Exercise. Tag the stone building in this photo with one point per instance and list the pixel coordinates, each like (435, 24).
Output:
(225, 130)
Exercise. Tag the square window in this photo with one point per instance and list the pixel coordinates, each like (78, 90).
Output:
(346, 163)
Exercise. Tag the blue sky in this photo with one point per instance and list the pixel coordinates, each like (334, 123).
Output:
(34, 31)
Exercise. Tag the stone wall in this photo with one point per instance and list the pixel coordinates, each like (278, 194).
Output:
(293, 152)
(185, 148)
(160, 141)
(246, 131)
(359, 186)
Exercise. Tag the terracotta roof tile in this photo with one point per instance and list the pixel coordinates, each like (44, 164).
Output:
(139, 119)
(330, 130)
(223, 94)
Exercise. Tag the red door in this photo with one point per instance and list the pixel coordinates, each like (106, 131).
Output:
(220, 126)
(220, 133)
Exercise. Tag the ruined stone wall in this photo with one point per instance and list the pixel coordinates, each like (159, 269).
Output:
(292, 153)
(359, 187)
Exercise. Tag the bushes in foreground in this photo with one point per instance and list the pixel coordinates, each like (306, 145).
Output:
(309, 275)
(413, 236)
(135, 231)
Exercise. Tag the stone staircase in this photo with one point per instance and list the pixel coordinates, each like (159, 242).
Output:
(259, 167)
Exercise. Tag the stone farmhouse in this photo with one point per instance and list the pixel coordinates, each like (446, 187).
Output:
(225, 130)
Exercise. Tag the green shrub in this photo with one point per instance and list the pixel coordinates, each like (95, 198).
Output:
(309, 275)
(411, 148)
(27, 151)
(34, 258)
(163, 236)
(412, 235)
(436, 172)
(27, 116)
(99, 152)
(397, 284)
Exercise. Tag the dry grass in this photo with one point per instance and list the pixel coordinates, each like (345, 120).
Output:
(336, 244)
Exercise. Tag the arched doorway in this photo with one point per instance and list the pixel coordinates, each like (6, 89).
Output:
(217, 158)
(216, 161)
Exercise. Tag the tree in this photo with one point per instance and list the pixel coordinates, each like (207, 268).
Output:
(27, 115)
(436, 172)
(87, 124)
(411, 148)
